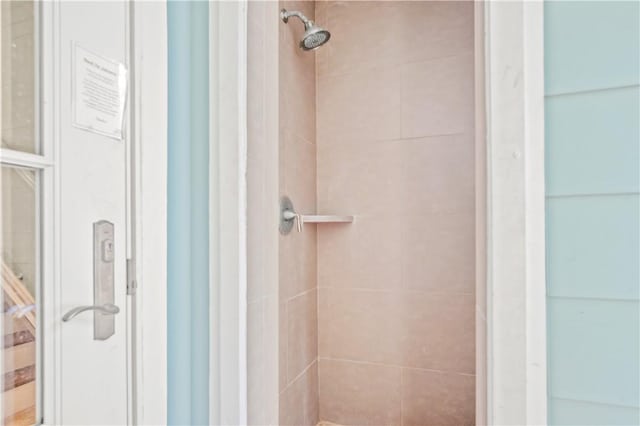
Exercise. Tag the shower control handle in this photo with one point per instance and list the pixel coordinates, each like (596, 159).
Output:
(290, 215)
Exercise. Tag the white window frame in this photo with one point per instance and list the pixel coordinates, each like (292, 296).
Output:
(516, 290)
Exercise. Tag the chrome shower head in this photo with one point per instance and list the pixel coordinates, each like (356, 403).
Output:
(314, 36)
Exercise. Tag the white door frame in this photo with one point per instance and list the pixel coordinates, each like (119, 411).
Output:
(228, 207)
(149, 115)
(515, 246)
(148, 153)
(516, 290)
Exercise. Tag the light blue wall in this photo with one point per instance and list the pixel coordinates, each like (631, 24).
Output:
(592, 79)
(188, 214)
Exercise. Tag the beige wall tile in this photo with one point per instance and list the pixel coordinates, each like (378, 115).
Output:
(442, 253)
(302, 350)
(298, 163)
(435, 174)
(365, 254)
(434, 398)
(298, 262)
(363, 36)
(437, 97)
(355, 176)
(255, 360)
(359, 394)
(396, 177)
(434, 331)
(299, 401)
(365, 105)
(415, 196)
(297, 76)
(435, 29)
(369, 34)
(361, 325)
(273, 368)
(283, 342)
(298, 86)
(297, 251)
(438, 332)
(322, 55)
(324, 339)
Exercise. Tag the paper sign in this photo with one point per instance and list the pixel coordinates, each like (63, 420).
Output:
(99, 93)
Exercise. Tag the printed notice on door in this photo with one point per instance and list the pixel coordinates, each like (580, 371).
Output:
(99, 93)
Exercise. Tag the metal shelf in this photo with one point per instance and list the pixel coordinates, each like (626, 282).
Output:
(288, 216)
(320, 218)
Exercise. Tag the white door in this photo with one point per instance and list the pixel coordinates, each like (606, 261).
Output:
(92, 188)
(58, 182)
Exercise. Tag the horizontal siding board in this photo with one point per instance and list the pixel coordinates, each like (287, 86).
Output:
(591, 45)
(594, 351)
(593, 247)
(581, 413)
(593, 142)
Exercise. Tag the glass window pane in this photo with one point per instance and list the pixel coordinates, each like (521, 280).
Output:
(17, 41)
(19, 253)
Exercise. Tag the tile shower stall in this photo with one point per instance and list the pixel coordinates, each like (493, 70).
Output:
(376, 318)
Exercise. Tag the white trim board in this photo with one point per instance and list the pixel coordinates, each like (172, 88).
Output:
(150, 180)
(50, 349)
(516, 311)
(228, 198)
(480, 216)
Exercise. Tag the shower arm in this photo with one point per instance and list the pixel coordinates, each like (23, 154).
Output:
(285, 15)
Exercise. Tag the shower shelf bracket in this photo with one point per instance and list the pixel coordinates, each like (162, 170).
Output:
(288, 216)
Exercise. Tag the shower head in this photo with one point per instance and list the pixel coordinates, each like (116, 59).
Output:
(314, 36)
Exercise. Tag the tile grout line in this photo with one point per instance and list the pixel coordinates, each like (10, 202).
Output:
(399, 291)
(381, 364)
(303, 372)
(401, 397)
(304, 293)
(286, 353)
(372, 66)
(397, 140)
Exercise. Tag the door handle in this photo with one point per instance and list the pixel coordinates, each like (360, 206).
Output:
(107, 309)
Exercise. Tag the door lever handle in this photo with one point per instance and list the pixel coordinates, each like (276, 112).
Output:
(107, 308)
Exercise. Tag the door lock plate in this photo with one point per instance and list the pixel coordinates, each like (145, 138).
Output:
(103, 278)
